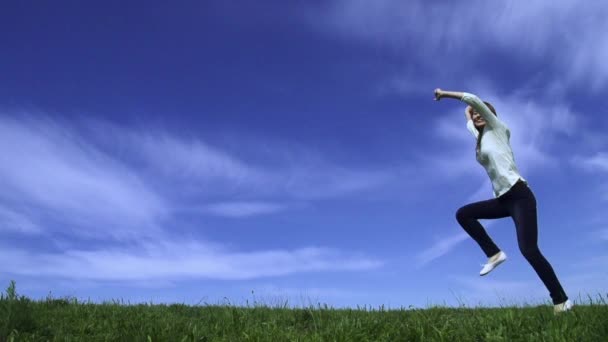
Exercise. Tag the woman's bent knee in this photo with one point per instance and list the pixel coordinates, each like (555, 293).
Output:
(461, 214)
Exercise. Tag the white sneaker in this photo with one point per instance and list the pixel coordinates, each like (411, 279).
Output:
(563, 307)
(494, 261)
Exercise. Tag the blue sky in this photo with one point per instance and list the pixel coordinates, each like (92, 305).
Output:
(224, 151)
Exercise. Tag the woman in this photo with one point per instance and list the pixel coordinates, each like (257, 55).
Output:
(512, 195)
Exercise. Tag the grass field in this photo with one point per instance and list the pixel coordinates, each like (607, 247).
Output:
(23, 319)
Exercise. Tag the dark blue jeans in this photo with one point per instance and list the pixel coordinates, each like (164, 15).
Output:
(520, 204)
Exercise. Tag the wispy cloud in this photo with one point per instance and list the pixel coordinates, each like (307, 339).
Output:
(532, 29)
(595, 163)
(84, 188)
(134, 179)
(11, 220)
(179, 259)
(242, 209)
(51, 168)
(445, 245)
(194, 162)
(198, 168)
(439, 248)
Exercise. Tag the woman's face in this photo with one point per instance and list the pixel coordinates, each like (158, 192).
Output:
(478, 120)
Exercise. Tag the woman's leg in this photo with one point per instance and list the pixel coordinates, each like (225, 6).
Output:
(523, 211)
(469, 215)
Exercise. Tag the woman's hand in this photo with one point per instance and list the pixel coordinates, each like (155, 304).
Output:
(438, 94)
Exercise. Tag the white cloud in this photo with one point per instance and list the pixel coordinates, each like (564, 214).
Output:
(440, 248)
(179, 259)
(242, 209)
(445, 245)
(194, 161)
(11, 220)
(595, 163)
(562, 35)
(195, 167)
(52, 169)
(111, 181)
(94, 188)
(308, 177)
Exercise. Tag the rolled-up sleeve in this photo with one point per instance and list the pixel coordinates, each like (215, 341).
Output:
(481, 108)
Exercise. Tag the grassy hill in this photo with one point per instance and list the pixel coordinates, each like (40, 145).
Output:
(23, 319)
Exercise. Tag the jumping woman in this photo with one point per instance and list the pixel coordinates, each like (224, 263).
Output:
(512, 195)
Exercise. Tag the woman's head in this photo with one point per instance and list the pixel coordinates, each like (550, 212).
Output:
(479, 123)
(478, 120)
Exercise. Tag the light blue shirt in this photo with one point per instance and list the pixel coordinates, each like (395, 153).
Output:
(495, 154)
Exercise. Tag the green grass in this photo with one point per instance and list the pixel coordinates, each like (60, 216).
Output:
(23, 319)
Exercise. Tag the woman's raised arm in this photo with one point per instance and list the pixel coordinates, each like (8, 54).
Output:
(473, 101)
